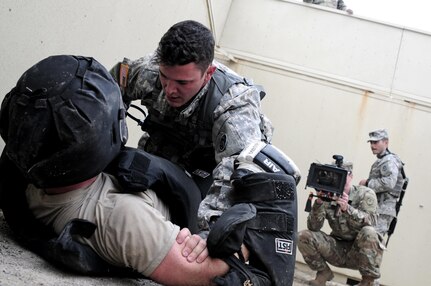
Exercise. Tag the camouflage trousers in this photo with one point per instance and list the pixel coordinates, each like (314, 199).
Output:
(363, 254)
(383, 223)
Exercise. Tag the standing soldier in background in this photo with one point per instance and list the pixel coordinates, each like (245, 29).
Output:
(386, 178)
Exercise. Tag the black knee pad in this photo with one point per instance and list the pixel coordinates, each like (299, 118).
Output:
(271, 234)
(264, 219)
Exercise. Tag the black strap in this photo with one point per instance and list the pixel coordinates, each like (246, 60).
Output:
(258, 187)
(271, 221)
(137, 171)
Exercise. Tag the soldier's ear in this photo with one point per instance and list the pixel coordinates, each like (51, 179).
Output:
(210, 71)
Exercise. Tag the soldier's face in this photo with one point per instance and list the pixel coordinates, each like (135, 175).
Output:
(182, 82)
(378, 147)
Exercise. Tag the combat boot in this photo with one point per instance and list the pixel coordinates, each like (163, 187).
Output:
(367, 281)
(321, 277)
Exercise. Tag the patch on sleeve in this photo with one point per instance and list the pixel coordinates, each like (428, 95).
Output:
(369, 201)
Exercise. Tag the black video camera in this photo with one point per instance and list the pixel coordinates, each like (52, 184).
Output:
(328, 179)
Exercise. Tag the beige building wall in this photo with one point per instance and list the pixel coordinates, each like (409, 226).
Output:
(330, 79)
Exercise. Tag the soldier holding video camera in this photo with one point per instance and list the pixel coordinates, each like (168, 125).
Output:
(351, 212)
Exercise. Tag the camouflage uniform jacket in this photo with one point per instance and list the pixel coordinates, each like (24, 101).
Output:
(237, 120)
(336, 4)
(386, 180)
(362, 211)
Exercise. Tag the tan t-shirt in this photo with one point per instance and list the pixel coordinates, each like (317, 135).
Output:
(132, 229)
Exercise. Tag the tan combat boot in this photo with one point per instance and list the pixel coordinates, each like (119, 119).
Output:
(367, 281)
(322, 277)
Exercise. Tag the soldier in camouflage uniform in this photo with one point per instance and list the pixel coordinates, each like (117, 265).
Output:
(385, 179)
(203, 116)
(336, 4)
(200, 113)
(353, 242)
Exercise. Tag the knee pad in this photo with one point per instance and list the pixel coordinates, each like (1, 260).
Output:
(264, 219)
(271, 235)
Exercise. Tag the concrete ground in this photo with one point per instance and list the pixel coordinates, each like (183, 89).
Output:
(19, 266)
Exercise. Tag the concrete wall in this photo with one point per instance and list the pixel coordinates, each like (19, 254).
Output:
(330, 79)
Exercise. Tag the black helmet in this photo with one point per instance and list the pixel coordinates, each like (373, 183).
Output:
(64, 122)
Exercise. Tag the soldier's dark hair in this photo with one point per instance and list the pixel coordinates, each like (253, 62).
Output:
(186, 42)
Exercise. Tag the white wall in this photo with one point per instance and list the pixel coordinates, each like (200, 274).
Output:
(329, 43)
(330, 78)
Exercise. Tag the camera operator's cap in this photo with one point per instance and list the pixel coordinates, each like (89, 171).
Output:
(378, 134)
(347, 166)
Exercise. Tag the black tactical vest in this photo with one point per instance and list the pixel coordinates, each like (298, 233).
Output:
(189, 143)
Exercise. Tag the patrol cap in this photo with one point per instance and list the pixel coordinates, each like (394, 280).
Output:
(378, 134)
(347, 165)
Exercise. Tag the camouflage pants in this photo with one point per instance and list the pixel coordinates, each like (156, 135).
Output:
(383, 223)
(363, 254)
